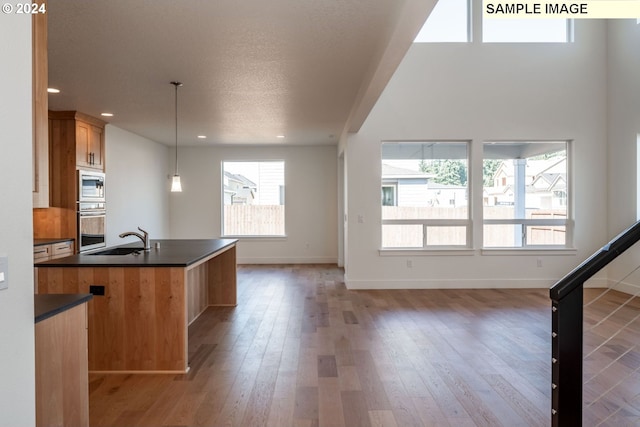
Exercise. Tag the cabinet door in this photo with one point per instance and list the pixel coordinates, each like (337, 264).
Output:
(40, 107)
(83, 131)
(89, 146)
(96, 147)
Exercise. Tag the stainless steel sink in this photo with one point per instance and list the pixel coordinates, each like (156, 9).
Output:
(117, 251)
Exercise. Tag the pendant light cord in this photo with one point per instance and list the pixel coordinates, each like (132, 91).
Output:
(176, 84)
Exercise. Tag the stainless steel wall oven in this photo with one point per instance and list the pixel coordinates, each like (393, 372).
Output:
(91, 225)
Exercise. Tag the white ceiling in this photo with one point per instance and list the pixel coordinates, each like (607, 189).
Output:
(251, 69)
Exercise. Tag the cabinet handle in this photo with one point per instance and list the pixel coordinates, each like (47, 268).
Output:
(91, 158)
(42, 251)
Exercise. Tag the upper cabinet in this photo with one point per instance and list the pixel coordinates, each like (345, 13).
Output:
(89, 145)
(40, 106)
(76, 141)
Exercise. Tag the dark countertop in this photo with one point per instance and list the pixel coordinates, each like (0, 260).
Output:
(38, 242)
(172, 253)
(48, 305)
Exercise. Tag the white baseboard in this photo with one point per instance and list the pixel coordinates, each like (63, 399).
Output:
(462, 284)
(287, 260)
(627, 288)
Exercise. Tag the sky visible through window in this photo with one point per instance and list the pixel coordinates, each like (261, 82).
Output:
(524, 30)
(449, 22)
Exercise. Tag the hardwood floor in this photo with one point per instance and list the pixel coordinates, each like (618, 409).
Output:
(301, 350)
(612, 359)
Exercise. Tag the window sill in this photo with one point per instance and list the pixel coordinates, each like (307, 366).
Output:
(528, 251)
(261, 238)
(484, 251)
(427, 252)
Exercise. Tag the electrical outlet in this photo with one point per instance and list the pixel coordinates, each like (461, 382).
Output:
(409, 263)
(539, 262)
(4, 272)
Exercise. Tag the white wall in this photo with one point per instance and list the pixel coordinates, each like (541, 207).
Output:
(137, 186)
(624, 126)
(17, 359)
(310, 202)
(480, 92)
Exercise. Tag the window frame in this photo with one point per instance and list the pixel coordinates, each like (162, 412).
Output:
(281, 196)
(524, 223)
(424, 222)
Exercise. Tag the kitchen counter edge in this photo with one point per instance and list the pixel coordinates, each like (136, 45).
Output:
(48, 305)
(172, 253)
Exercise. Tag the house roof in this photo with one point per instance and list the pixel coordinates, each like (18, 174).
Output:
(389, 171)
(246, 182)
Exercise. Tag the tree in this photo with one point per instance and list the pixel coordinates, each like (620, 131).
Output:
(447, 171)
(489, 168)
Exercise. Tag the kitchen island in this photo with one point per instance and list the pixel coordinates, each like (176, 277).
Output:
(144, 301)
(62, 383)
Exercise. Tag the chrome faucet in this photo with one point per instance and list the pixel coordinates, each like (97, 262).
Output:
(144, 237)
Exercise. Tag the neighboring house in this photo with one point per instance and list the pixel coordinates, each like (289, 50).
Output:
(238, 189)
(407, 187)
(546, 184)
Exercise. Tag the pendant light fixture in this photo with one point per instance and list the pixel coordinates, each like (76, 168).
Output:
(176, 186)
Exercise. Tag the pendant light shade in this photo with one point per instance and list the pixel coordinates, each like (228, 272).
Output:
(176, 186)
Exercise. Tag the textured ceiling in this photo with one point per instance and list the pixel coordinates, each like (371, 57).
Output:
(251, 69)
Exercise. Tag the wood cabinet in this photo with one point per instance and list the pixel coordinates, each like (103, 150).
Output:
(76, 142)
(62, 381)
(89, 146)
(139, 316)
(40, 165)
(52, 251)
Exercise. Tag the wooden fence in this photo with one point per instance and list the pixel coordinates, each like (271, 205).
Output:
(411, 236)
(261, 220)
(253, 220)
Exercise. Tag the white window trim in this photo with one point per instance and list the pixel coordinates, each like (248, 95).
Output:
(261, 237)
(432, 223)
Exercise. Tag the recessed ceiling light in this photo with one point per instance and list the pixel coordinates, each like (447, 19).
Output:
(202, 136)
(280, 136)
(53, 90)
(107, 114)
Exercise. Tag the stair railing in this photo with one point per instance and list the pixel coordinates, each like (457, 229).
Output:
(567, 330)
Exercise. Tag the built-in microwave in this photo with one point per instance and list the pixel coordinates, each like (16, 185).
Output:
(91, 186)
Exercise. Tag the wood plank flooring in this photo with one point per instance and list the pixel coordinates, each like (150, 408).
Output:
(612, 359)
(302, 350)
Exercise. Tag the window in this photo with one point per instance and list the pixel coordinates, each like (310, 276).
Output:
(448, 22)
(526, 30)
(253, 198)
(425, 194)
(525, 194)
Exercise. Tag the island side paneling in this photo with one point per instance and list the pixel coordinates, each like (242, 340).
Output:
(62, 388)
(139, 324)
(212, 282)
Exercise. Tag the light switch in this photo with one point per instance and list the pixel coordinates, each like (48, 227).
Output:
(4, 272)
